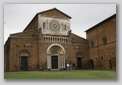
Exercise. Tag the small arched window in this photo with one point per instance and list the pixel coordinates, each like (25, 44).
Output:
(43, 25)
(92, 43)
(65, 27)
(101, 57)
(104, 40)
(96, 58)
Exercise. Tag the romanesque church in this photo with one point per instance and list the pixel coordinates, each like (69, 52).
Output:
(47, 43)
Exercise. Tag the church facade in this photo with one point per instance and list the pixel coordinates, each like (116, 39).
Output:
(47, 43)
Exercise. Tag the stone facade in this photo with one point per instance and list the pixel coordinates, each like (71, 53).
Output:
(102, 44)
(46, 44)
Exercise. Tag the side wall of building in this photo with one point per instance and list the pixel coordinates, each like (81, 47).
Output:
(7, 55)
(102, 44)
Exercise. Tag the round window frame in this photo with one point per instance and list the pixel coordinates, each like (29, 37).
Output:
(55, 23)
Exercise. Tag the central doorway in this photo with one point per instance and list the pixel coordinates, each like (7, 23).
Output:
(54, 62)
(55, 57)
(24, 63)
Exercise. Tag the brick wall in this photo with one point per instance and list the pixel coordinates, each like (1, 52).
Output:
(102, 53)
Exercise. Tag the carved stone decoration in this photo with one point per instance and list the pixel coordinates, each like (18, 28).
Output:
(54, 25)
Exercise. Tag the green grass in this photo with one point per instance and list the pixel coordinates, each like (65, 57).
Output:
(74, 74)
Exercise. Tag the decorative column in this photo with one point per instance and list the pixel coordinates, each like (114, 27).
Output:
(64, 61)
(50, 39)
(61, 61)
(48, 61)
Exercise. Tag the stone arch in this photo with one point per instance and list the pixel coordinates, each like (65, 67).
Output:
(91, 64)
(55, 56)
(24, 52)
(23, 60)
(79, 54)
(61, 48)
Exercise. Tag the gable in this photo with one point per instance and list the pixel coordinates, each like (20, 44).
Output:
(55, 13)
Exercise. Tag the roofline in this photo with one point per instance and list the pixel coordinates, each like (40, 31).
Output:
(23, 32)
(30, 21)
(100, 22)
(78, 36)
(55, 9)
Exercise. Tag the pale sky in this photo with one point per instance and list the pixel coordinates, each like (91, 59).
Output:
(84, 16)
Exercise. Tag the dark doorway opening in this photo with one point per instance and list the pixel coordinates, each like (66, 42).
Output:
(91, 64)
(110, 64)
(54, 62)
(79, 63)
(23, 63)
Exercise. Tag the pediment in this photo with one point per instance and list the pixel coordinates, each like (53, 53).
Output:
(55, 13)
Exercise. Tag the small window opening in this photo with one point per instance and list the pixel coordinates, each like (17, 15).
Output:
(101, 57)
(65, 27)
(92, 43)
(44, 25)
(104, 40)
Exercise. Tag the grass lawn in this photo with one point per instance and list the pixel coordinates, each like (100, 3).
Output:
(73, 74)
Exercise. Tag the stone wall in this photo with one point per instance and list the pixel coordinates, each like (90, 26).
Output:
(35, 49)
(102, 44)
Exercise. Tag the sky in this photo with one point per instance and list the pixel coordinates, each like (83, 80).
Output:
(84, 16)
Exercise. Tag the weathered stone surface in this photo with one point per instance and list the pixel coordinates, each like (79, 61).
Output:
(36, 45)
(102, 53)
(40, 48)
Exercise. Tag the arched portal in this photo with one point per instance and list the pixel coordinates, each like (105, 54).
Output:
(23, 60)
(55, 57)
(91, 64)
